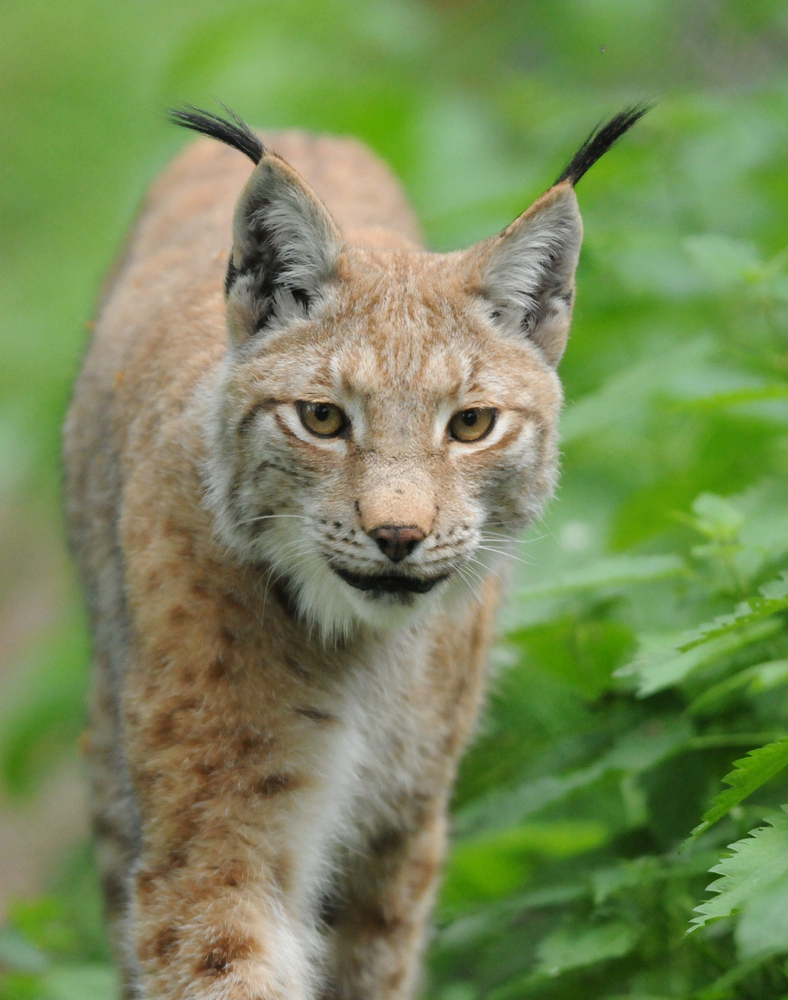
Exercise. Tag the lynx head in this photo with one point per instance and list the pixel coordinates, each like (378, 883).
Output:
(386, 421)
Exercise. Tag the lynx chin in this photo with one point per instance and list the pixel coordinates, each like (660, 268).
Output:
(297, 456)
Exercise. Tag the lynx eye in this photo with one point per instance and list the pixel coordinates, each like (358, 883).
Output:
(322, 419)
(473, 424)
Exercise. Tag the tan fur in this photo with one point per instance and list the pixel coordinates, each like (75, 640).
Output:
(270, 783)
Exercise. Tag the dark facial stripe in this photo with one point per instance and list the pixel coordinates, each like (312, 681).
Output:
(316, 714)
(280, 423)
(231, 276)
(527, 412)
(264, 406)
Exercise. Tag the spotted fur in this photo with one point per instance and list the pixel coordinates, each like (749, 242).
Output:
(272, 743)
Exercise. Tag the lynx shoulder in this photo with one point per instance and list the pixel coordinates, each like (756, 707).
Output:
(297, 456)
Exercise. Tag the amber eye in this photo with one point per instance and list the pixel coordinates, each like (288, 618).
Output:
(323, 419)
(472, 425)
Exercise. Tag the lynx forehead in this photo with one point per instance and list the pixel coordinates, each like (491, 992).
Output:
(294, 464)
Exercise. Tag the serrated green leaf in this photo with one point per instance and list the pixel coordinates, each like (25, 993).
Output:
(757, 861)
(488, 918)
(608, 574)
(759, 677)
(608, 882)
(773, 599)
(749, 773)
(492, 864)
(763, 925)
(672, 663)
(625, 392)
(633, 753)
(582, 654)
(639, 872)
(574, 948)
(751, 621)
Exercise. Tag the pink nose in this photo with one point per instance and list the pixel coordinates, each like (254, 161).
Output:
(397, 541)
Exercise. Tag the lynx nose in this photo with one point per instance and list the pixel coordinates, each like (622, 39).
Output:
(396, 541)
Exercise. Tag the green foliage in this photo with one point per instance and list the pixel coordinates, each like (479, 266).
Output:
(495, 863)
(759, 862)
(573, 947)
(54, 947)
(46, 719)
(666, 666)
(645, 644)
(751, 772)
(607, 575)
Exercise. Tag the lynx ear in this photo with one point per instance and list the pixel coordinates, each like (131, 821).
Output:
(286, 247)
(528, 271)
(286, 250)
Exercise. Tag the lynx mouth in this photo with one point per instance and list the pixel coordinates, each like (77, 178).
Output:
(388, 583)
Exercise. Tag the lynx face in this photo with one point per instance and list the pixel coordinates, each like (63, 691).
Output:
(386, 420)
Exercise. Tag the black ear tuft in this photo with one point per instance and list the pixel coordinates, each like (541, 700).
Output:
(601, 139)
(232, 130)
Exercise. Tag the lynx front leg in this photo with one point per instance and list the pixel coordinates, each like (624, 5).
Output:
(379, 927)
(224, 933)
(222, 890)
(236, 810)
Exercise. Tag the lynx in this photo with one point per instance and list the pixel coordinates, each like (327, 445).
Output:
(294, 472)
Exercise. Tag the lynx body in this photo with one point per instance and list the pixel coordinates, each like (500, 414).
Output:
(294, 467)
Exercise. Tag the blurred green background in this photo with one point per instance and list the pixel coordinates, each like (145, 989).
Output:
(616, 713)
